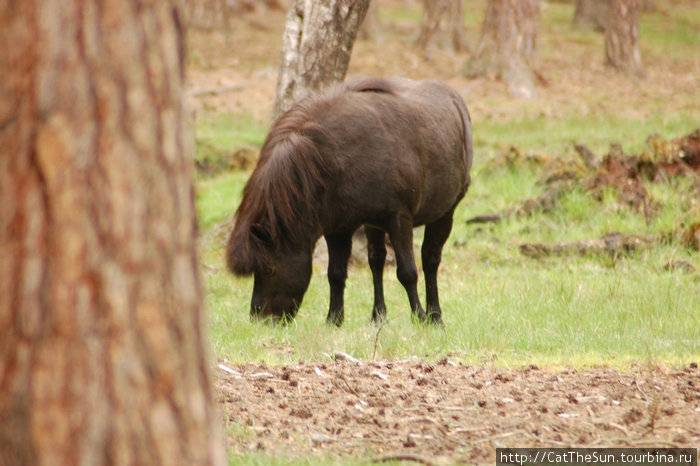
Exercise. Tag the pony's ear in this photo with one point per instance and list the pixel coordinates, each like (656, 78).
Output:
(261, 233)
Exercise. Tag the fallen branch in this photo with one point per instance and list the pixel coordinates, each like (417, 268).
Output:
(488, 218)
(207, 91)
(587, 155)
(402, 457)
(612, 243)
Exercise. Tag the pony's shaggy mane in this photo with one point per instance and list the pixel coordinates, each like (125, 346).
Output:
(280, 201)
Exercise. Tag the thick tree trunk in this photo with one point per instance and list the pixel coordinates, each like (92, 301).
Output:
(622, 37)
(508, 45)
(442, 24)
(316, 47)
(591, 14)
(102, 337)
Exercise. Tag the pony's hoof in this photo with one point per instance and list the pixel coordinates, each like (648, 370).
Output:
(419, 317)
(436, 321)
(335, 322)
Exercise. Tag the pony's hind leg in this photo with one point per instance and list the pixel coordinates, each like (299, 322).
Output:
(339, 248)
(436, 235)
(401, 234)
(376, 256)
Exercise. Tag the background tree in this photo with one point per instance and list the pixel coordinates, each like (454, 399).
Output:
(371, 29)
(102, 338)
(316, 47)
(508, 45)
(591, 14)
(622, 37)
(443, 23)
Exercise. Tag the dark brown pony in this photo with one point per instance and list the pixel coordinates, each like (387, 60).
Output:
(389, 154)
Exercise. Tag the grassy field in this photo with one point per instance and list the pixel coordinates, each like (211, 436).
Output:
(501, 307)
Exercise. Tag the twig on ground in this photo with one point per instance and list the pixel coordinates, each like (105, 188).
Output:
(376, 338)
(402, 457)
(207, 91)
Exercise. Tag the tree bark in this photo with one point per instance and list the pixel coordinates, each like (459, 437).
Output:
(102, 339)
(622, 37)
(508, 45)
(591, 14)
(442, 23)
(316, 47)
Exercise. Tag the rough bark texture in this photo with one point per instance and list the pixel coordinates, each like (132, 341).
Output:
(442, 24)
(508, 45)
(316, 47)
(622, 37)
(102, 345)
(591, 14)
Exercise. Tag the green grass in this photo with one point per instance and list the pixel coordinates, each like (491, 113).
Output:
(499, 306)
(673, 33)
(218, 135)
(556, 136)
(217, 198)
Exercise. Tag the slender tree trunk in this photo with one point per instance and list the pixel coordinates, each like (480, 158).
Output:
(316, 47)
(442, 23)
(591, 14)
(102, 337)
(622, 37)
(508, 45)
(370, 29)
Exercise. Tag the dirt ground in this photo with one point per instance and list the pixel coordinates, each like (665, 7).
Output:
(446, 413)
(443, 413)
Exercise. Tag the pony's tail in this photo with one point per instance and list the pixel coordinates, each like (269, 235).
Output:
(467, 143)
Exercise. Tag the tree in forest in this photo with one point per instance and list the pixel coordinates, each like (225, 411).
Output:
(316, 47)
(103, 354)
(622, 37)
(371, 29)
(443, 23)
(508, 45)
(591, 14)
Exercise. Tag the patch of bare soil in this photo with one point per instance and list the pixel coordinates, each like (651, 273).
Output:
(444, 413)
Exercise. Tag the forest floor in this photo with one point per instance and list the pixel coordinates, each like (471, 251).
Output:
(445, 412)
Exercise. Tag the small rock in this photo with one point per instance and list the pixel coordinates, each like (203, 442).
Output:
(319, 439)
(409, 442)
(342, 356)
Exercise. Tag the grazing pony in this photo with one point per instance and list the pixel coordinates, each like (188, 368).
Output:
(389, 154)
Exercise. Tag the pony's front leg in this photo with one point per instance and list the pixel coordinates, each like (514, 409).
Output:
(376, 256)
(339, 248)
(401, 235)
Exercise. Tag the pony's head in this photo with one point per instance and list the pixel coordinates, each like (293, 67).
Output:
(281, 274)
(277, 221)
